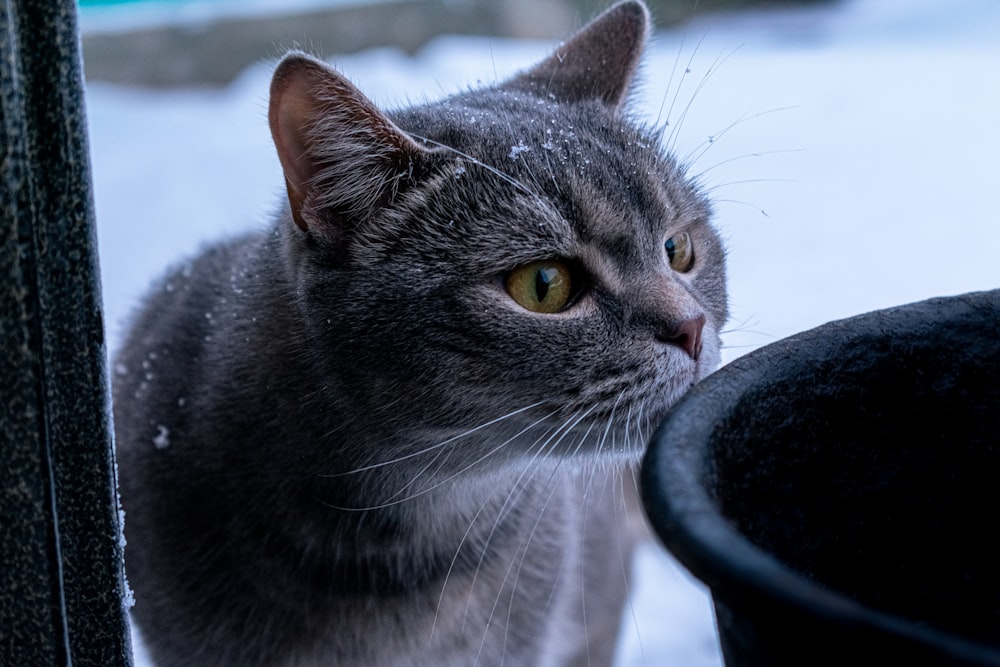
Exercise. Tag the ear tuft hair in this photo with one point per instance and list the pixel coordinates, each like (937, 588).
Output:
(342, 157)
(597, 63)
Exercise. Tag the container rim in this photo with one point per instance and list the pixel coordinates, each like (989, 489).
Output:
(693, 528)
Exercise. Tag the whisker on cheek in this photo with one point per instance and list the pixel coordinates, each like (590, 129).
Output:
(444, 443)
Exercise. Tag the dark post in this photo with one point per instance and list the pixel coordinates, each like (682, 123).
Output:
(61, 581)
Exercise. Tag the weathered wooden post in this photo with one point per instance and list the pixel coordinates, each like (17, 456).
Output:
(61, 583)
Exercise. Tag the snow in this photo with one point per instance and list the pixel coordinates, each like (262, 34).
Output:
(162, 438)
(850, 150)
(517, 149)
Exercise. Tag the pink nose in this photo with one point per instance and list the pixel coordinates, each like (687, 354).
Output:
(687, 336)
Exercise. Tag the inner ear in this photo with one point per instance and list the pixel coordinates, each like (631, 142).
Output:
(338, 151)
(290, 114)
(598, 63)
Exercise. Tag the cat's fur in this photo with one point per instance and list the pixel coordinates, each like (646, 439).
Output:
(343, 443)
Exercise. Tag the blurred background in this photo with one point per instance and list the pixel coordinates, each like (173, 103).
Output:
(185, 42)
(850, 148)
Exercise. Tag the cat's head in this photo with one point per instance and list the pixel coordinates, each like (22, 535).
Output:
(521, 258)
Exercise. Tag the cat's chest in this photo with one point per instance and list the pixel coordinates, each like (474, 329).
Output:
(516, 607)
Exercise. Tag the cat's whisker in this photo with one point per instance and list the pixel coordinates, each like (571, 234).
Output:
(611, 420)
(638, 432)
(737, 158)
(630, 471)
(716, 64)
(493, 170)
(510, 500)
(583, 438)
(553, 179)
(633, 473)
(596, 470)
(448, 479)
(742, 326)
(745, 328)
(434, 447)
(585, 518)
(719, 186)
(437, 458)
(630, 426)
(520, 561)
(517, 573)
(588, 492)
(680, 84)
(567, 428)
(740, 202)
(699, 151)
(549, 443)
(451, 567)
(618, 502)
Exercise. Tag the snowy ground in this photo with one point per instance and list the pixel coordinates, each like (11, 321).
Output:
(851, 150)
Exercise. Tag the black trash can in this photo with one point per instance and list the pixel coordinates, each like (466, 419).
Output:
(839, 491)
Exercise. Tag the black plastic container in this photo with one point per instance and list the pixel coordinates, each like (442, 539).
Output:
(839, 491)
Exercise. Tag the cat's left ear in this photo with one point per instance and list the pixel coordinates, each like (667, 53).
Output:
(597, 63)
(342, 157)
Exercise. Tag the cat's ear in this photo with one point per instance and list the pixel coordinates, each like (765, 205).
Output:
(342, 157)
(597, 63)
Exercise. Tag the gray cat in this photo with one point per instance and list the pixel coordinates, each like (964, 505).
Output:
(397, 428)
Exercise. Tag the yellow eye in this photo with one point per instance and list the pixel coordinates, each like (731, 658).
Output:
(680, 252)
(541, 287)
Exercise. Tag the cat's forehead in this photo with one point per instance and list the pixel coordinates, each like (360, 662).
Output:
(558, 179)
(619, 228)
(505, 125)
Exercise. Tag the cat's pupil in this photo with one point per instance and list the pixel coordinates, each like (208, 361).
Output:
(541, 287)
(680, 252)
(543, 280)
(671, 247)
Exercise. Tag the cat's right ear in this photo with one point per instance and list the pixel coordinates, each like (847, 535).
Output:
(597, 63)
(342, 157)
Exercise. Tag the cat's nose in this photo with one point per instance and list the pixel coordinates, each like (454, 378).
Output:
(685, 335)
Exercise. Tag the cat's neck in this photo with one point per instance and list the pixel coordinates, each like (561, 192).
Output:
(458, 529)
